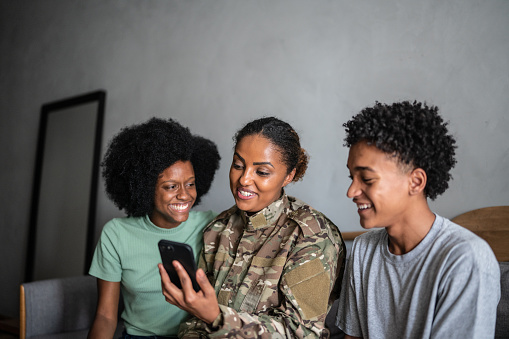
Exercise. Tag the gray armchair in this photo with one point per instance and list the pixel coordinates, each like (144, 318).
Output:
(58, 308)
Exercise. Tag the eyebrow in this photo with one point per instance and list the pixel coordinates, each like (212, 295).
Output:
(255, 163)
(263, 163)
(362, 168)
(171, 180)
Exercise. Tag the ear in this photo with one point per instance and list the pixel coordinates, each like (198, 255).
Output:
(289, 177)
(418, 179)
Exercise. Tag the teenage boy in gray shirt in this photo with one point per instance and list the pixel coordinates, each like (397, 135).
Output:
(420, 275)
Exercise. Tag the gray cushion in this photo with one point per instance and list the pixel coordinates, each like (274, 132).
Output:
(61, 308)
(60, 305)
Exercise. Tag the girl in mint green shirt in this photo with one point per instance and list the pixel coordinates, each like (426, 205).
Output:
(156, 172)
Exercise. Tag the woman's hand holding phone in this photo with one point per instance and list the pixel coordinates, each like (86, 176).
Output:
(202, 304)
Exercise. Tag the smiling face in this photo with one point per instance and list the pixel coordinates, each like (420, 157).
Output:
(257, 174)
(174, 196)
(380, 186)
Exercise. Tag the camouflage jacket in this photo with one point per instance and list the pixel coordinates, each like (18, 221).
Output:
(274, 272)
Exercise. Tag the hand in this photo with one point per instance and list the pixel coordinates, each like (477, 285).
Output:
(202, 304)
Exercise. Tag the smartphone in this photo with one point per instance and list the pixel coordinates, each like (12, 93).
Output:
(183, 253)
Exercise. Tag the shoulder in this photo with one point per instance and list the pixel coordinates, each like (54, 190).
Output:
(311, 221)
(116, 225)
(457, 245)
(201, 217)
(117, 229)
(366, 245)
(455, 238)
(222, 218)
(371, 236)
(226, 214)
(466, 263)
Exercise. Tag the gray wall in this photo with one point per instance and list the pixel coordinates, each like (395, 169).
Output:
(215, 65)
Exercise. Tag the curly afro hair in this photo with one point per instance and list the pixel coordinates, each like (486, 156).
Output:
(414, 133)
(138, 154)
(284, 137)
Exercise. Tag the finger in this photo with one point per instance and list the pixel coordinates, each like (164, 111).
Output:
(164, 275)
(185, 280)
(204, 283)
(165, 278)
(171, 292)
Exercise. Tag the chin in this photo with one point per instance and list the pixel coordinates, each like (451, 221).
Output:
(181, 218)
(367, 225)
(245, 206)
(241, 204)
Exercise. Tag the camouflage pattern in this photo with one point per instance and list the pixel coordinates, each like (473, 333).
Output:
(274, 272)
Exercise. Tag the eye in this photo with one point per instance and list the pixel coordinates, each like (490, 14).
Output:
(169, 187)
(237, 166)
(191, 184)
(367, 180)
(262, 173)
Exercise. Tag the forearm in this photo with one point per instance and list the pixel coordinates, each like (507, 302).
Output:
(269, 324)
(102, 328)
(105, 321)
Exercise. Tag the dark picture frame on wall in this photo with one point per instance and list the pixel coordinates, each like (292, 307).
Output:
(64, 193)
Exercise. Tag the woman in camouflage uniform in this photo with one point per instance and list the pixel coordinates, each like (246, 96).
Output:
(272, 259)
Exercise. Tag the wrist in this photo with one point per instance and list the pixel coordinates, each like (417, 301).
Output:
(216, 322)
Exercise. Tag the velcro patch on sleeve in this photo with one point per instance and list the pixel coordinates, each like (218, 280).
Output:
(310, 285)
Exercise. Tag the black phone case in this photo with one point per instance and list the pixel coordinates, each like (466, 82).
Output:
(183, 253)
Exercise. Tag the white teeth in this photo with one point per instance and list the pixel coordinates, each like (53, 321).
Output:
(246, 194)
(180, 207)
(363, 206)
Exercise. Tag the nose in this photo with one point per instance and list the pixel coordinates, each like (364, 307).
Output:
(246, 178)
(183, 193)
(354, 190)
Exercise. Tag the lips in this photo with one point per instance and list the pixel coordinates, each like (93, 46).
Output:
(180, 208)
(245, 194)
(363, 207)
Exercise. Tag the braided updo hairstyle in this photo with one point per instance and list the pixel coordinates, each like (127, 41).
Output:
(138, 154)
(284, 137)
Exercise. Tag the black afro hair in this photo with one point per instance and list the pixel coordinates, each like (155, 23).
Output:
(138, 154)
(413, 132)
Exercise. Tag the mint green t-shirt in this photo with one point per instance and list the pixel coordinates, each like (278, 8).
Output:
(127, 252)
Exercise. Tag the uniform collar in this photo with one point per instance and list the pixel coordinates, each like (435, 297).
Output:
(267, 216)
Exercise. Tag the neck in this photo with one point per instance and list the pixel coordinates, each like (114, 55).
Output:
(162, 222)
(406, 235)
